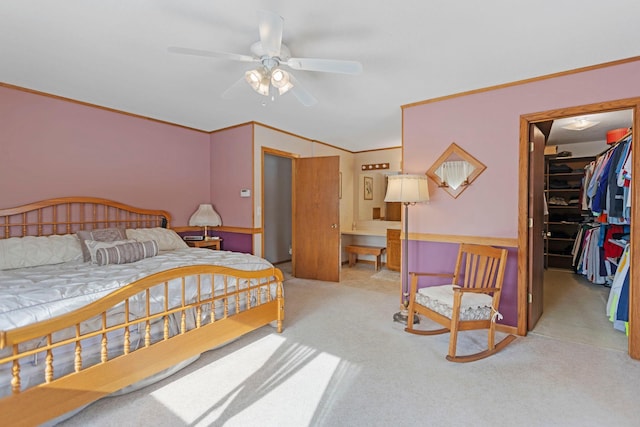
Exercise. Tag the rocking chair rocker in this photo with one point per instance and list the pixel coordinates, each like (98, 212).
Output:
(472, 304)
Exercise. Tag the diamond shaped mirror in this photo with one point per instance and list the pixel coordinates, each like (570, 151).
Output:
(454, 170)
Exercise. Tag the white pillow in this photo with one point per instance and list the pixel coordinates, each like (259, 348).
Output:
(94, 245)
(167, 239)
(32, 251)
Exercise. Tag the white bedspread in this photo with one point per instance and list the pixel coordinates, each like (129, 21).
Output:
(29, 295)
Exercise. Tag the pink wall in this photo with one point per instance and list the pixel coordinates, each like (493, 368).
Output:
(231, 171)
(54, 148)
(487, 126)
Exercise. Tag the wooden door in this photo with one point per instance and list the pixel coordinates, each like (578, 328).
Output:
(536, 228)
(316, 218)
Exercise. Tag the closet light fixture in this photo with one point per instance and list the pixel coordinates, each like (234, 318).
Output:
(580, 124)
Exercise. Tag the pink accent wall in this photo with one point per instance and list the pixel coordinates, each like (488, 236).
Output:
(487, 125)
(231, 171)
(54, 148)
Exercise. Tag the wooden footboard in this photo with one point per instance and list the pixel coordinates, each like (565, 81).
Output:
(139, 330)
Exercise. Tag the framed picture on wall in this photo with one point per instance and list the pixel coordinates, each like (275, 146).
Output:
(368, 188)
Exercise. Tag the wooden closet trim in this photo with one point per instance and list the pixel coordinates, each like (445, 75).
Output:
(523, 195)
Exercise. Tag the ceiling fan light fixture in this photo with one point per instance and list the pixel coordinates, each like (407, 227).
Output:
(258, 80)
(281, 81)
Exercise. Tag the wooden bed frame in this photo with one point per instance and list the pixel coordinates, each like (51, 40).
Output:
(61, 394)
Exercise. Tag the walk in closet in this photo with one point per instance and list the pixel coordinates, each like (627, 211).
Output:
(588, 216)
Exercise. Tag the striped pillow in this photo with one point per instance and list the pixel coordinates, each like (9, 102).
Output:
(100, 235)
(125, 253)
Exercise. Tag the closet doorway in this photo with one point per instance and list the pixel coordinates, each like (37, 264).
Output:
(277, 206)
(531, 281)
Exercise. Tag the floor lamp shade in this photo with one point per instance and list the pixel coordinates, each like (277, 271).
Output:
(407, 189)
(205, 217)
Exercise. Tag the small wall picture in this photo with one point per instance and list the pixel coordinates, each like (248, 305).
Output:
(368, 188)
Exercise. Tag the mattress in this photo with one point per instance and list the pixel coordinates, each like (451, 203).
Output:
(38, 293)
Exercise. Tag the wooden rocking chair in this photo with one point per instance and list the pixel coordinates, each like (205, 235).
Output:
(472, 304)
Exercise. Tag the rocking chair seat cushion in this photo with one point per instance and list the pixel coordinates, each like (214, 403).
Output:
(440, 299)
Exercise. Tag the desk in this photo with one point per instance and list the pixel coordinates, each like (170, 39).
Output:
(367, 237)
(210, 244)
(366, 232)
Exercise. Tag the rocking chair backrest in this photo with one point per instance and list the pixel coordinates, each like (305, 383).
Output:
(481, 267)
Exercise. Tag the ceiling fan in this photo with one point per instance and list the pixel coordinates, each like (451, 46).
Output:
(269, 77)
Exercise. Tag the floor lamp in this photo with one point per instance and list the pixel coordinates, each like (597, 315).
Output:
(408, 190)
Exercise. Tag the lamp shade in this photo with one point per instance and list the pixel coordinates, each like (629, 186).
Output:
(205, 216)
(258, 80)
(407, 189)
(280, 79)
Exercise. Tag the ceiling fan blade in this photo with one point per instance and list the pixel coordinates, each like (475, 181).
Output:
(271, 27)
(325, 65)
(301, 93)
(235, 89)
(212, 54)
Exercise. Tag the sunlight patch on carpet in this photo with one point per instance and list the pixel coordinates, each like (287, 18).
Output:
(269, 373)
(392, 276)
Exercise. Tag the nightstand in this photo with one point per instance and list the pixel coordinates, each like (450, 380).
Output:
(211, 244)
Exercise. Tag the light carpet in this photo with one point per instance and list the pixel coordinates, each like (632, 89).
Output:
(575, 310)
(342, 361)
(389, 275)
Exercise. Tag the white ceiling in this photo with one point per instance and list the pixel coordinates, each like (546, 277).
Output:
(114, 54)
(604, 123)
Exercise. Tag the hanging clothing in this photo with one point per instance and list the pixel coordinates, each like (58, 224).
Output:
(616, 292)
(607, 183)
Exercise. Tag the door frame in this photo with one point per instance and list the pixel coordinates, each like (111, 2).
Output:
(523, 207)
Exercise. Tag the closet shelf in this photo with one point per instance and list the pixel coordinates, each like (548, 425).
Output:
(563, 182)
(566, 174)
(550, 254)
(563, 222)
(562, 239)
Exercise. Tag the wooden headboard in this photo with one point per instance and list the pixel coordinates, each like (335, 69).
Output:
(67, 215)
